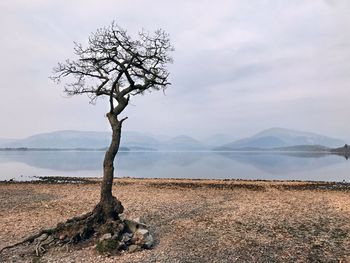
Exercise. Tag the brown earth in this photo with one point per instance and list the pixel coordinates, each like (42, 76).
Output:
(191, 220)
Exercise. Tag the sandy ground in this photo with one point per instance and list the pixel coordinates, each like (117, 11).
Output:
(192, 220)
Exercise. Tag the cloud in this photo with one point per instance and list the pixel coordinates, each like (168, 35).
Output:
(240, 66)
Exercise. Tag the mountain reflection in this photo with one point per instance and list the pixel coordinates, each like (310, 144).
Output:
(244, 165)
(284, 162)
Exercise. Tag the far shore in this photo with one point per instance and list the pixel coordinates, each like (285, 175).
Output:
(312, 149)
(191, 182)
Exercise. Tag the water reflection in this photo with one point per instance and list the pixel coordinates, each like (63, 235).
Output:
(244, 165)
(284, 162)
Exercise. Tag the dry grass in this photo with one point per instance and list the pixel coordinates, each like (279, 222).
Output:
(193, 220)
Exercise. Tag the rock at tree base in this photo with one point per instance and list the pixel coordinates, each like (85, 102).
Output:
(134, 248)
(133, 237)
(127, 238)
(105, 237)
(134, 225)
(143, 238)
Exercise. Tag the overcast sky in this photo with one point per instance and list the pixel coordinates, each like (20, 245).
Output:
(239, 66)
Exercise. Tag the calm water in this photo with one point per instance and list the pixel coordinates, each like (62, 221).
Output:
(24, 165)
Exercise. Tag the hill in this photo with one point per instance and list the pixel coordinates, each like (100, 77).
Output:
(304, 148)
(5, 140)
(182, 143)
(271, 139)
(344, 151)
(279, 137)
(63, 140)
(217, 139)
(131, 140)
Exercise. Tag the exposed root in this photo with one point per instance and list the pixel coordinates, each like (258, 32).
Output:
(30, 239)
(103, 219)
(40, 247)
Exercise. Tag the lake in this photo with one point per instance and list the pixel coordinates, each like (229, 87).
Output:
(25, 165)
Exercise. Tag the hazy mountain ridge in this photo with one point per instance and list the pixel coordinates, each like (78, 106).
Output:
(183, 142)
(130, 140)
(272, 139)
(218, 139)
(279, 137)
(63, 139)
(5, 141)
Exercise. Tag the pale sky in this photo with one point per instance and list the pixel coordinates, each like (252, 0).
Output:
(239, 66)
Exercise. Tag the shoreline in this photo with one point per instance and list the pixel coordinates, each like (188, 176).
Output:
(188, 183)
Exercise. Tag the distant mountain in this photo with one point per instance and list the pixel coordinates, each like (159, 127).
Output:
(217, 139)
(5, 141)
(63, 139)
(138, 141)
(131, 140)
(278, 137)
(83, 140)
(344, 151)
(181, 143)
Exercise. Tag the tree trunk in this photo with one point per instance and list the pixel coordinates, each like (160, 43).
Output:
(111, 207)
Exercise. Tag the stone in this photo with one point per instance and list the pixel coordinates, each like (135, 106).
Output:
(143, 238)
(140, 221)
(131, 225)
(126, 237)
(134, 225)
(149, 241)
(134, 248)
(105, 237)
(122, 217)
(62, 237)
(137, 220)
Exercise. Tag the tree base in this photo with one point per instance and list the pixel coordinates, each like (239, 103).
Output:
(104, 225)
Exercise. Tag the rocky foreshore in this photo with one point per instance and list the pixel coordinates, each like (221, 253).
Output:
(187, 220)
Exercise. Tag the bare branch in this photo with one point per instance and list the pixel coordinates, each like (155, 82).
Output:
(124, 119)
(115, 65)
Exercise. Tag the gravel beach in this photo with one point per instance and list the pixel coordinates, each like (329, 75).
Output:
(191, 220)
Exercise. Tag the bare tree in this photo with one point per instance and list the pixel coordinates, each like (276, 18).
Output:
(115, 66)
